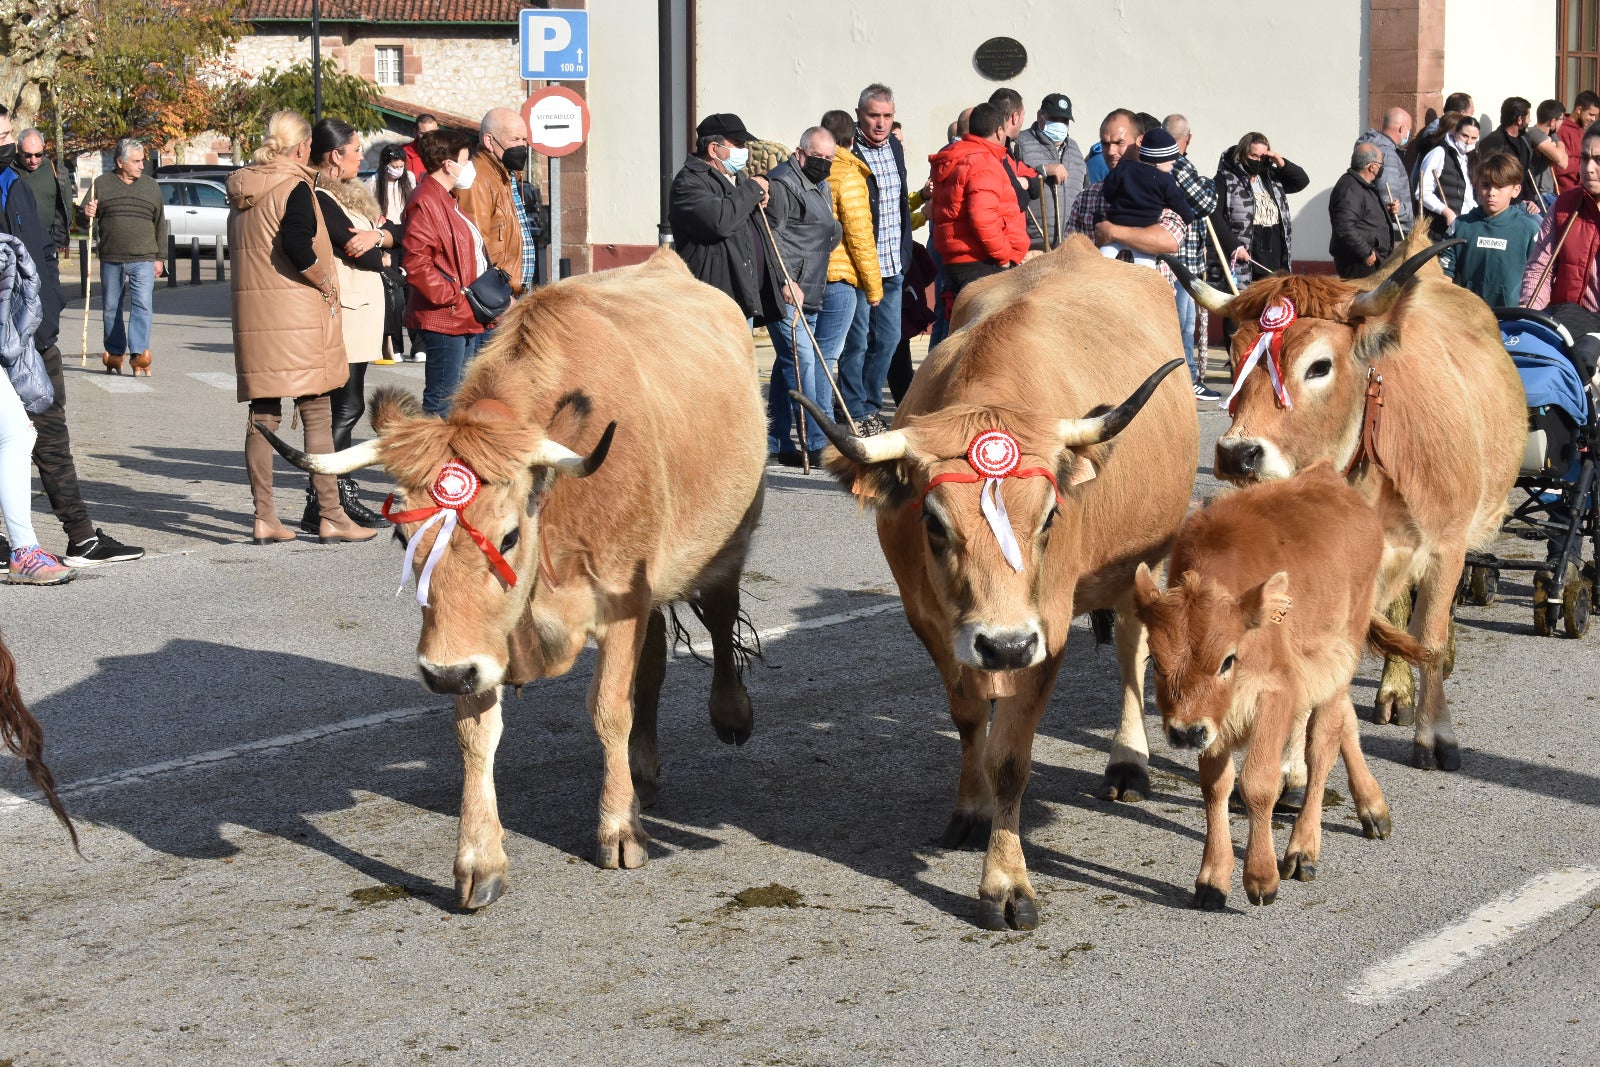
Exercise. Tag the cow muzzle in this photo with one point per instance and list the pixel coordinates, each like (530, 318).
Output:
(1250, 459)
(472, 675)
(1196, 735)
(996, 648)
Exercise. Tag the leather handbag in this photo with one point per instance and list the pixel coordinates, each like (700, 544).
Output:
(489, 295)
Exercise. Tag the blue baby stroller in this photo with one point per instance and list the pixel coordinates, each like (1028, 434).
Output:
(1558, 468)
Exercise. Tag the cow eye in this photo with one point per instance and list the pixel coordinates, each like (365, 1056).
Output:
(1049, 520)
(1320, 369)
(1227, 665)
(509, 541)
(935, 528)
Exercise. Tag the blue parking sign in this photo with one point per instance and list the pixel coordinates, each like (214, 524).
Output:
(555, 45)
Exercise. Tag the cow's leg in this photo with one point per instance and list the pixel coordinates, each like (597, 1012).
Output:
(972, 817)
(480, 841)
(1128, 770)
(1260, 777)
(621, 839)
(1005, 896)
(644, 756)
(1397, 692)
(1371, 808)
(1216, 865)
(731, 713)
(1323, 731)
(1434, 743)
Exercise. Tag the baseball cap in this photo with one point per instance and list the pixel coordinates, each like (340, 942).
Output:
(725, 124)
(1057, 107)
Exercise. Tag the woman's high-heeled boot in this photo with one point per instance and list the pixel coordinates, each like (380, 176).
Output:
(141, 363)
(258, 462)
(334, 525)
(359, 513)
(113, 363)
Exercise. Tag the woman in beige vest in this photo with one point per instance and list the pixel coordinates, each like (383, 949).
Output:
(363, 248)
(287, 337)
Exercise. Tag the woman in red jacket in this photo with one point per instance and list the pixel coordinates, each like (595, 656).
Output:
(978, 226)
(444, 255)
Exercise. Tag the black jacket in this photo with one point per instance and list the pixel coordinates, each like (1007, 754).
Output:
(21, 220)
(714, 229)
(1360, 226)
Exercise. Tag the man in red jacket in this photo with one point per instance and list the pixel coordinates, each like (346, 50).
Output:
(978, 226)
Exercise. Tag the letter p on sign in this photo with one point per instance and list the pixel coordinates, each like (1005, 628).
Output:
(555, 45)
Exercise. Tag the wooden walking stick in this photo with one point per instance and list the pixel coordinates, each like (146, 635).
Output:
(1394, 222)
(88, 284)
(800, 387)
(1222, 257)
(1554, 252)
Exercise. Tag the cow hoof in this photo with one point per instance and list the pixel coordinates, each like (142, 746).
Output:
(732, 715)
(1128, 782)
(1422, 757)
(626, 851)
(1210, 898)
(733, 735)
(1013, 913)
(1394, 707)
(965, 831)
(1297, 865)
(1375, 826)
(1291, 799)
(477, 892)
(1449, 755)
(1261, 898)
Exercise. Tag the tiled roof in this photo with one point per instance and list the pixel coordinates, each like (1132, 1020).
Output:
(411, 111)
(388, 11)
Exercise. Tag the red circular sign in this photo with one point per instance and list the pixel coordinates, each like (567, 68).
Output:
(456, 485)
(558, 121)
(994, 454)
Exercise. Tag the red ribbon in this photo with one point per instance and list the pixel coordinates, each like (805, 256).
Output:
(1024, 472)
(496, 560)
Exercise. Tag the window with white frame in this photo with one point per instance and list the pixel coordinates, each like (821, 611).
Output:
(389, 64)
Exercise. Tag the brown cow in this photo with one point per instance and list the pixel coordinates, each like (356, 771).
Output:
(542, 563)
(991, 572)
(1439, 468)
(1238, 667)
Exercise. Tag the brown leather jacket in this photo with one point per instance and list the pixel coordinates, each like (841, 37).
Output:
(287, 340)
(488, 204)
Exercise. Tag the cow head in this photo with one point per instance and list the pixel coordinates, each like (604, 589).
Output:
(1336, 333)
(1206, 646)
(990, 490)
(492, 470)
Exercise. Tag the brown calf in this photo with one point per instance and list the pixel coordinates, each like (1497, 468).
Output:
(1238, 668)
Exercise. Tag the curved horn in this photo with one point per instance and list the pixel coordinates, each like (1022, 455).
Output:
(1092, 431)
(342, 462)
(550, 453)
(1204, 295)
(879, 448)
(1381, 299)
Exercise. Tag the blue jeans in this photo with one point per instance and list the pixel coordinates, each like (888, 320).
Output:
(448, 356)
(141, 282)
(842, 326)
(1186, 314)
(780, 405)
(863, 387)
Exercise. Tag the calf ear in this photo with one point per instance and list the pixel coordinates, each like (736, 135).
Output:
(390, 405)
(1268, 603)
(1145, 590)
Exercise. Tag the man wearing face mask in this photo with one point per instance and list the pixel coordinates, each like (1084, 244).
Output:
(1046, 147)
(712, 211)
(493, 200)
(1392, 180)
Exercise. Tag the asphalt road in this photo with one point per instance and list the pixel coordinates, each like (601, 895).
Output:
(267, 801)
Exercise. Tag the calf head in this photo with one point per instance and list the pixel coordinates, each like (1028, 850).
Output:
(1302, 398)
(1209, 650)
(991, 491)
(477, 480)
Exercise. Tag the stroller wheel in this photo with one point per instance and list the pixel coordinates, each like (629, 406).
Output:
(1545, 611)
(1575, 604)
(1483, 585)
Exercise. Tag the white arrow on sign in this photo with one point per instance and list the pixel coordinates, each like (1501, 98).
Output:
(555, 123)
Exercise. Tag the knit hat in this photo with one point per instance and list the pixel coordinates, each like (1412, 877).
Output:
(1158, 146)
(1057, 107)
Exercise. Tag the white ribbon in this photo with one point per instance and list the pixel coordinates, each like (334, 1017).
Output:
(1256, 354)
(448, 517)
(994, 509)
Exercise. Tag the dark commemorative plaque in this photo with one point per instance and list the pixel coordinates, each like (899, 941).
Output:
(1000, 58)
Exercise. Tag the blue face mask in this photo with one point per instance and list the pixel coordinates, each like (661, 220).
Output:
(1055, 132)
(737, 159)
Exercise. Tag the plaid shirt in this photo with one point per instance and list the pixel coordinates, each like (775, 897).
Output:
(891, 201)
(530, 251)
(1201, 193)
(1090, 209)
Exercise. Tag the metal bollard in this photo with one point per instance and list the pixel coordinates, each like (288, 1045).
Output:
(83, 264)
(194, 261)
(222, 261)
(172, 262)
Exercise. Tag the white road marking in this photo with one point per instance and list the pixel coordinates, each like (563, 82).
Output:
(117, 779)
(1502, 918)
(217, 379)
(115, 383)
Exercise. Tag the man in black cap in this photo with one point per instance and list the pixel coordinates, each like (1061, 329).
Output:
(1046, 147)
(712, 211)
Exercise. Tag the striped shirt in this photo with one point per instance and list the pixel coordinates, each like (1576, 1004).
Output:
(530, 253)
(1090, 209)
(1201, 193)
(891, 202)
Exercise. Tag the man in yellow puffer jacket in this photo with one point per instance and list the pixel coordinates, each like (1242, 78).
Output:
(854, 282)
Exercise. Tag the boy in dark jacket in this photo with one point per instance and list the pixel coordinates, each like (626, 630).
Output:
(1135, 196)
(1499, 236)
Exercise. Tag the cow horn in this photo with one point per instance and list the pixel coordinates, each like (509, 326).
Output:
(341, 462)
(548, 453)
(1204, 295)
(1381, 299)
(879, 448)
(1090, 431)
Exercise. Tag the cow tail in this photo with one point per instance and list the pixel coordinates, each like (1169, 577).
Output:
(21, 735)
(1388, 639)
(1103, 621)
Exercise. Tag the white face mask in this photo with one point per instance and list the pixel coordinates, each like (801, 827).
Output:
(1054, 132)
(397, 170)
(737, 159)
(465, 175)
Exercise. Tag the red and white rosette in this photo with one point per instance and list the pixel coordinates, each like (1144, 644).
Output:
(994, 454)
(456, 486)
(1276, 318)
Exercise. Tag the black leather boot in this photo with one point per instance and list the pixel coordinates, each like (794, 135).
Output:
(359, 513)
(311, 518)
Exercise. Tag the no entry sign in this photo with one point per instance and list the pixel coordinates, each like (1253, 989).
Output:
(558, 121)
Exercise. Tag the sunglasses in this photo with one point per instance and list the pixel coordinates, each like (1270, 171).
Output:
(31, 155)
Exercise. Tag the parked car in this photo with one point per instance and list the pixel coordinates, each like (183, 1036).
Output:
(196, 207)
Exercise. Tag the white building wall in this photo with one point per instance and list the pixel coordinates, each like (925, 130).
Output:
(1493, 52)
(1292, 71)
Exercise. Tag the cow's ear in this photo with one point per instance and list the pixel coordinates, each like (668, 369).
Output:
(1268, 603)
(874, 485)
(1145, 590)
(1375, 339)
(1082, 464)
(391, 405)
